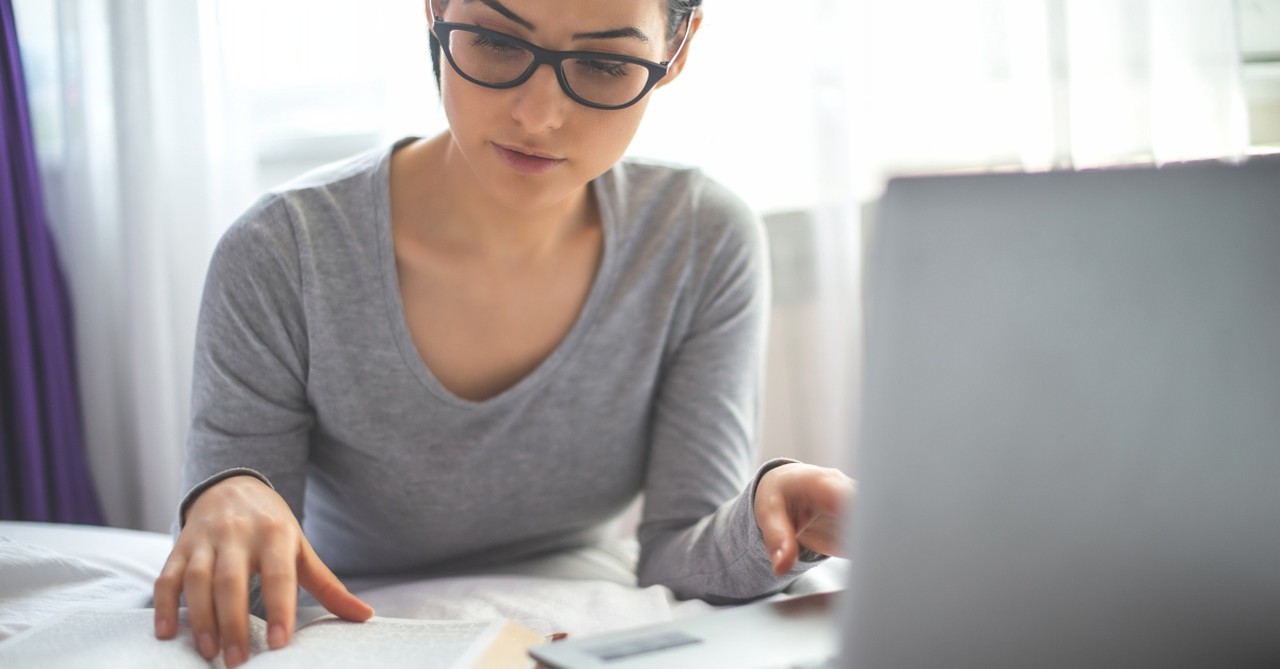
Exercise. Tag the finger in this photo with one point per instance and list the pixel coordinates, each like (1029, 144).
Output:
(831, 492)
(327, 589)
(778, 532)
(197, 584)
(280, 592)
(231, 604)
(166, 596)
(821, 535)
(827, 501)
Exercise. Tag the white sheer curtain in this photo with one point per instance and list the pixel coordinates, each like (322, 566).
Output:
(1040, 84)
(141, 176)
(162, 117)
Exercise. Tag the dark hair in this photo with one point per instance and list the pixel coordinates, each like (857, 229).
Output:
(677, 10)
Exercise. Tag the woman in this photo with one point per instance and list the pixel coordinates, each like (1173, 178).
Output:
(484, 345)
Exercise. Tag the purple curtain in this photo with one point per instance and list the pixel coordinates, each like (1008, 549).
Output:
(43, 472)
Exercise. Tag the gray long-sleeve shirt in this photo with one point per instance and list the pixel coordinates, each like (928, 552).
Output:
(305, 371)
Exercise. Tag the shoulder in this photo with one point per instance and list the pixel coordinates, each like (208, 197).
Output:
(643, 178)
(679, 229)
(308, 208)
(680, 199)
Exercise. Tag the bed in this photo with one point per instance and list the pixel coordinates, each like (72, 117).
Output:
(46, 569)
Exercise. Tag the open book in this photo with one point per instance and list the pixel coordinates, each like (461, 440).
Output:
(119, 639)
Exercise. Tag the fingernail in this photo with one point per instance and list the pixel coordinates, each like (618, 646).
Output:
(164, 627)
(208, 647)
(234, 657)
(277, 637)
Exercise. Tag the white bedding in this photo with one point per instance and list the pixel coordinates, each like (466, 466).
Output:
(46, 569)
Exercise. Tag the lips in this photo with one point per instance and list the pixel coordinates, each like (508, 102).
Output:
(527, 161)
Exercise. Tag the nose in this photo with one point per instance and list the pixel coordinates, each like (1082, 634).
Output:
(540, 104)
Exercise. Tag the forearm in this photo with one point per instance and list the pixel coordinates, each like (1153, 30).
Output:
(720, 558)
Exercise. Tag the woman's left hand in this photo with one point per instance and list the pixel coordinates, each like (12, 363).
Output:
(802, 506)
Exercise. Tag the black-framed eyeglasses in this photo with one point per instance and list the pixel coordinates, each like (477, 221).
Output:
(595, 79)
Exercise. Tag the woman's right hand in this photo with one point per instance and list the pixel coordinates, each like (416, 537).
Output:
(236, 528)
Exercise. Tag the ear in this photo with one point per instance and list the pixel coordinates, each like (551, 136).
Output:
(677, 65)
(431, 15)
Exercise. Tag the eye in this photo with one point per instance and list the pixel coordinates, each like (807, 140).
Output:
(610, 68)
(494, 43)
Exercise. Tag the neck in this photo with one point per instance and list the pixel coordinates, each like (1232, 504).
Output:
(464, 215)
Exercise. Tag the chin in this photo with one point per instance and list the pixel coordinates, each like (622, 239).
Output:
(532, 193)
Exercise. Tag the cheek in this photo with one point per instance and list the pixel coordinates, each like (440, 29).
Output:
(598, 138)
(613, 130)
(461, 109)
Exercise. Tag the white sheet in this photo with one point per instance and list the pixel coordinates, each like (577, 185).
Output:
(46, 569)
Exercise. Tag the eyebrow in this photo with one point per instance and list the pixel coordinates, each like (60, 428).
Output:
(616, 33)
(505, 11)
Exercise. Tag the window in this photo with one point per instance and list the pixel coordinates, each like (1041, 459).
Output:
(312, 81)
(1259, 30)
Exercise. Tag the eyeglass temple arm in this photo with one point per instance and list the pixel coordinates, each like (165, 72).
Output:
(688, 28)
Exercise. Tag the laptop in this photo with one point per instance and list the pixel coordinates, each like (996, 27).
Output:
(1070, 445)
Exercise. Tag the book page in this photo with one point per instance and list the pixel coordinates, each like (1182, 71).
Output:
(105, 639)
(125, 639)
(383, 642)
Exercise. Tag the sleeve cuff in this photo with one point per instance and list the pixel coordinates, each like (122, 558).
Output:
(210, 482)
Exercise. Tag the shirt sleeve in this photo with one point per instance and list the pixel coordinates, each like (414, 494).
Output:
(698, 533)
(249, 409)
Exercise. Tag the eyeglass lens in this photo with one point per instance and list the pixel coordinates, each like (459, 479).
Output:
(598, 79)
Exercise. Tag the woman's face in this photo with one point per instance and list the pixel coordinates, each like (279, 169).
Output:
(532, 146)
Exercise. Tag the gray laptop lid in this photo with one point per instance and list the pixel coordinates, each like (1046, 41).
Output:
(1070, 453)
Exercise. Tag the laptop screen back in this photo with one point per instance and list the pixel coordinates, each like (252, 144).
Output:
(1070, 452)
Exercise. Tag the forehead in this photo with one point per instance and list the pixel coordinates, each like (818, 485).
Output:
(573, 15)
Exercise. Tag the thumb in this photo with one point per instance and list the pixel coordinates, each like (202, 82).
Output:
(317, 579)
(779, 535)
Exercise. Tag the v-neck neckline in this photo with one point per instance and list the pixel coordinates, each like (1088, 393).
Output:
(399, 323)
